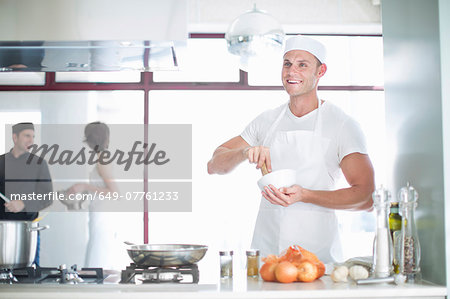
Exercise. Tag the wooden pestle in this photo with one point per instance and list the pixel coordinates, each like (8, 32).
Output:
(264, 169)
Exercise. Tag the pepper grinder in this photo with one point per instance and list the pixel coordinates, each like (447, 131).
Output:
(382, 246)
(409, 242)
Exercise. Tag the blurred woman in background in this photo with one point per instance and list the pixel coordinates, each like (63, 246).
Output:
(102, 228)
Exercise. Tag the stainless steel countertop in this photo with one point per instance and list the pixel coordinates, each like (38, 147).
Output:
(235, 288)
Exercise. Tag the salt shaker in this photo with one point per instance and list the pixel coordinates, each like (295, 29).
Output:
(226, 264)
(382, 247)
(409, 242)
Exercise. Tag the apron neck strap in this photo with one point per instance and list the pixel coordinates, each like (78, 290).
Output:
(317, 127)
(269, 133)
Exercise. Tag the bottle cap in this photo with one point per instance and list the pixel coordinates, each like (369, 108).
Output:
(252, 252)
(226, 252)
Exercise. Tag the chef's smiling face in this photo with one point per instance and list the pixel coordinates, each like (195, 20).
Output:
(301, 72)
(23, 140)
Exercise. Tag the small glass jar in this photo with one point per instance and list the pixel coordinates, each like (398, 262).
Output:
(226, 264)
(252, 262)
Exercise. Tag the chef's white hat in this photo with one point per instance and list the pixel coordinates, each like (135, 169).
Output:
(300, 42)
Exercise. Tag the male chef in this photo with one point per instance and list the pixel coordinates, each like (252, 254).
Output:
(22, 173)
(315, 138)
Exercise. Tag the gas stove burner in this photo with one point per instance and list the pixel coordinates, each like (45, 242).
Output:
(69, 275)
(61, 275)
(180, 274)
(6, 276)
(161, 275)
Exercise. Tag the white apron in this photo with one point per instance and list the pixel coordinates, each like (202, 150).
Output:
(313, 227)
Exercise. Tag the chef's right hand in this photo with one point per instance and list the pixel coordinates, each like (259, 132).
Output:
(15, 206)
(259, 155)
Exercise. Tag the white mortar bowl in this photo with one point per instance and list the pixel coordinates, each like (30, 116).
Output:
(279, 178)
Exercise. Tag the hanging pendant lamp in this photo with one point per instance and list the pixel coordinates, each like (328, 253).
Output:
(254, 34)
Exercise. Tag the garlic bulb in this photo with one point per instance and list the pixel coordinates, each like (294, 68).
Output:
(340, 274)
(358, 272)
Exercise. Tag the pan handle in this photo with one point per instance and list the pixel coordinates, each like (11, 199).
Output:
(6, 199)
(38, 228)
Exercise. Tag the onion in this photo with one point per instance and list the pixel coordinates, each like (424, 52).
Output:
(307, 271)
(267, 271)
(286, 272)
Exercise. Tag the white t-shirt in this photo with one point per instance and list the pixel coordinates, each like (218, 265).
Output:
(344, 132)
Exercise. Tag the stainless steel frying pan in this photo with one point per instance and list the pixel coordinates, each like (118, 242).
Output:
(162, 255)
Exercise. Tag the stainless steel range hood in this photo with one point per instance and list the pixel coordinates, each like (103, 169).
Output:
(91, 35)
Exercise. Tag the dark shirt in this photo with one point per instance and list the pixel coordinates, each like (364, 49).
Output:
(17, 176)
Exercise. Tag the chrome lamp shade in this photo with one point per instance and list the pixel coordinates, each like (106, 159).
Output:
(254, 33)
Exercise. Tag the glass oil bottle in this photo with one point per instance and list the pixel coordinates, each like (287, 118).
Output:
(395, 226)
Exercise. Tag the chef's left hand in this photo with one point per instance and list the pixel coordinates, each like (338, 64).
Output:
(15, 206)
(283, 196)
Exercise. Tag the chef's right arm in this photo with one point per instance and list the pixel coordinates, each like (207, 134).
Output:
(233, 152)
